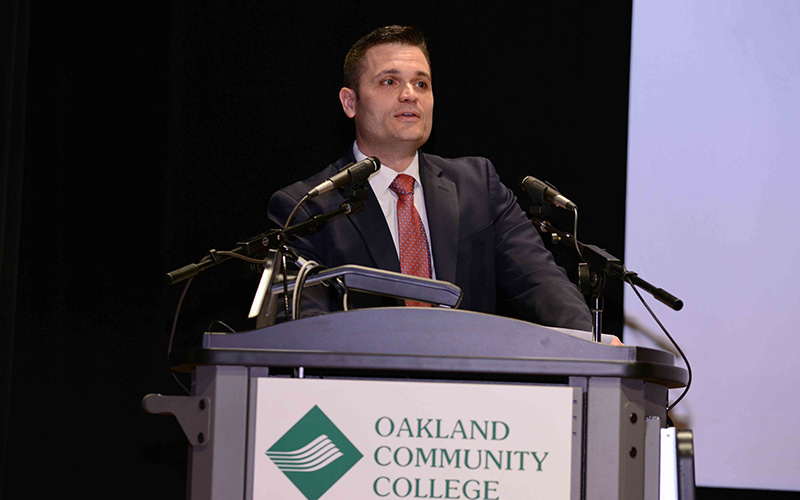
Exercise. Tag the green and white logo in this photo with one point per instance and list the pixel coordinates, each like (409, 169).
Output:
(314, 454)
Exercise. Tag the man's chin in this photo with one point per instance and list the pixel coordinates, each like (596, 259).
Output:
(415, 139)
(403, 140)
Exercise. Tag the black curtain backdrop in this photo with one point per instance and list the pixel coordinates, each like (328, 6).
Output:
(153, 132)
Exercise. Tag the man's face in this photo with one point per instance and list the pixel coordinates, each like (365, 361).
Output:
(394, 104)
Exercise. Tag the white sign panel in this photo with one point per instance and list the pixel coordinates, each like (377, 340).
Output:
(345, 439)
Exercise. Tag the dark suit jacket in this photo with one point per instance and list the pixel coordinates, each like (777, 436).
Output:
(481, 240)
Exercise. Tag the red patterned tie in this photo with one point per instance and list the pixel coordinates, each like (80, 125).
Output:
(415, 258)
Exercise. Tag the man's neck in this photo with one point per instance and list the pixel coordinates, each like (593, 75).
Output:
(397, 160)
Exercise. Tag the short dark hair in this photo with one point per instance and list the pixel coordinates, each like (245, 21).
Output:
(404, 35)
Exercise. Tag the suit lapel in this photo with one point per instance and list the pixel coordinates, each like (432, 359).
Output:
(441, 204)
(375, 236)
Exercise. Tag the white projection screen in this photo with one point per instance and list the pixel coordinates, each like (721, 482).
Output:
(713, 216)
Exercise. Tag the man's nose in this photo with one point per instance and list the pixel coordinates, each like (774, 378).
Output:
(409, 93)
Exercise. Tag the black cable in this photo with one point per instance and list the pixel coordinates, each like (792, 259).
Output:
(677, 347)
(174, 329)
(283, 258)
(575, 232)
(306, 270)
(291, 214)
(285, 286)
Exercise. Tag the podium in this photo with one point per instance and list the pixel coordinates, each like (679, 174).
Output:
(421, 403)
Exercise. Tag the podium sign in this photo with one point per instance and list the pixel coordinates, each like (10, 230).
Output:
(342, 439)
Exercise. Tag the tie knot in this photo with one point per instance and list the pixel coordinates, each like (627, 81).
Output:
(403, 184)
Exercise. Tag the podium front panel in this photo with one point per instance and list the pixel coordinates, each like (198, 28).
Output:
(348, 439)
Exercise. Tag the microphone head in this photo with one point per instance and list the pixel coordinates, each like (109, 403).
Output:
(544, 192)
(534, 188)
(360, 172)
(376, 163)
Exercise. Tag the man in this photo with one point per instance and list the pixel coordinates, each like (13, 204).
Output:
(465, 226)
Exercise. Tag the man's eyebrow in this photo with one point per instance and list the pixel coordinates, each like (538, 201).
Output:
(394, 71)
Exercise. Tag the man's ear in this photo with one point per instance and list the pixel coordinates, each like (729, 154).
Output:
(348, 98)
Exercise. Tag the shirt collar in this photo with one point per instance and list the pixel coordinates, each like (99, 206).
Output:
(381, 179)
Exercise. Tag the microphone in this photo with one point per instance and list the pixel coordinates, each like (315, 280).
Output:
(352, 174)
(545, 193)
